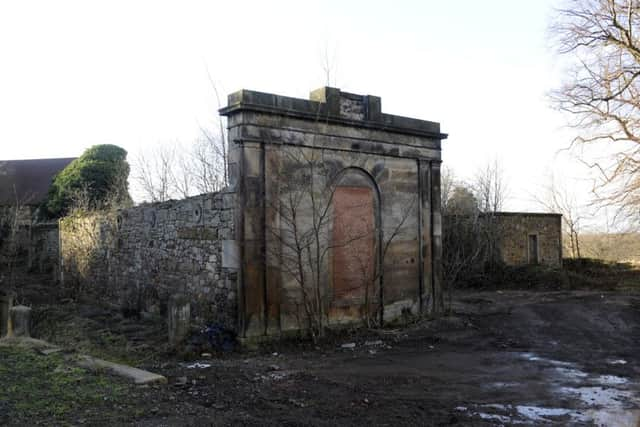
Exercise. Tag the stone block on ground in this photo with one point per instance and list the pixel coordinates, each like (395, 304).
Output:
(178, 319)
(20, 323)
(138, 376)
(6, 302)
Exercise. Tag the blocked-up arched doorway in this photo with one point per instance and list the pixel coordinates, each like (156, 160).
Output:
(355, 288)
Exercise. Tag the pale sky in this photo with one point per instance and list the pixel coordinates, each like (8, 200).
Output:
(78, 73)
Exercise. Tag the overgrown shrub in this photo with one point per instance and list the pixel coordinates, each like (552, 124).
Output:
(98, 177)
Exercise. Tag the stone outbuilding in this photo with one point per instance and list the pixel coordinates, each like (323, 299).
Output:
(24, 186)
(527, 238)
(337, 211)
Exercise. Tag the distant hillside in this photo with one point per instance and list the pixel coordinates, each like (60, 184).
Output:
(622, 247)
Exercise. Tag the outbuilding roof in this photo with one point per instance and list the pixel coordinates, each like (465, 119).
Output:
(28, 181)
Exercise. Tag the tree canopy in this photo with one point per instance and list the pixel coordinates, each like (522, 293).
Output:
(96, 179)
(462, 202)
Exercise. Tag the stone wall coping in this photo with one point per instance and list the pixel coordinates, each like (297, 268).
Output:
(551, 214)
(172, 202)
(324, 106)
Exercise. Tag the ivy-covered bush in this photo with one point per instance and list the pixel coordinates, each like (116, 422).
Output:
(95, 180)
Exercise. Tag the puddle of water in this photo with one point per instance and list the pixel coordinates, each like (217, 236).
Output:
(199, 365)
(615, 419)
(609, 398)
(486, 416)
(571, 374)
(525, 414)
(605, 398)
(537, 413)
(532, 357)
(611, 380)
(503, 385)
(493, 417)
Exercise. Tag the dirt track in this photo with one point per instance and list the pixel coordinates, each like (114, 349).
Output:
(565, 358)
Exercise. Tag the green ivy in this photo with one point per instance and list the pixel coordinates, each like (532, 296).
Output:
(98, 178)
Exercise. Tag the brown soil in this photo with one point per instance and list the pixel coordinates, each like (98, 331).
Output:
(502, 358)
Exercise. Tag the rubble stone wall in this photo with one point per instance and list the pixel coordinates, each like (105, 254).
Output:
(142, 255)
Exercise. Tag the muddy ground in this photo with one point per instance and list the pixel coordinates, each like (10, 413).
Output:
(569, 358)
(502, 358)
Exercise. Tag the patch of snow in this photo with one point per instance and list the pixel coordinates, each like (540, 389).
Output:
(617, 362)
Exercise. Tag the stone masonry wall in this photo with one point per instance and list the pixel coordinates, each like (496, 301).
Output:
(143, 255)
(515, 229)
(43, 249)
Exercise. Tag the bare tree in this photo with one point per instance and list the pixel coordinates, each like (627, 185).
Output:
(154, 172)
(302, 237)
(463, 242)
(329, 64)
(14, 219)
(212, 155)
(601, 93)
(171, 170)
(209, 161)
(490, 188)
(371, 264)
(305, 234)
(558, 197)
(448, 183)
(491, 192)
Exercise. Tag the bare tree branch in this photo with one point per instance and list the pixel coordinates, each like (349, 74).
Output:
(601, 94)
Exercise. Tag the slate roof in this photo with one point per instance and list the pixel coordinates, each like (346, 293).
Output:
(30, 178)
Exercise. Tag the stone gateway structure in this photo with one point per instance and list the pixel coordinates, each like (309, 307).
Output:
(337, 211)
(331, 217)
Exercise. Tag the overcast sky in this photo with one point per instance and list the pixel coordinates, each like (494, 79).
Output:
(134, 73)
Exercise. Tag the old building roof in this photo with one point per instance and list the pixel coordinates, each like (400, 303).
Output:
(28, 181)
